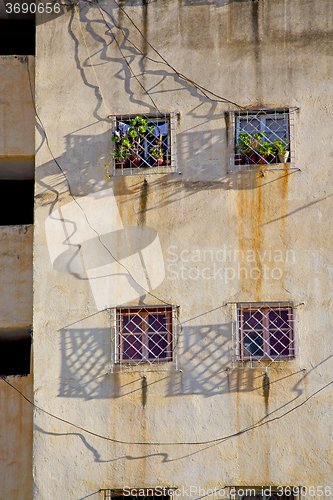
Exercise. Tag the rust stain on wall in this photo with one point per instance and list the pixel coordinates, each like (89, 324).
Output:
(262, 204)
(251, 211)
(143, 203)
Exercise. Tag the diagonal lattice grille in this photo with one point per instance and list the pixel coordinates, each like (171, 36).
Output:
(145, 335)
(143, 144)
(263, 137)
(265, 332)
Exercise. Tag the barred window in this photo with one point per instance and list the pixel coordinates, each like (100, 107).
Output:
(265, 332)
(143, 144)
(262, 139)
(145, 335)
(265, 492)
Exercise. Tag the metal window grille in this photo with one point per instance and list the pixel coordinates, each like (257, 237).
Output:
(264, 334)
(144, 335)
(141, 494)
(262, 139)
(143, 144)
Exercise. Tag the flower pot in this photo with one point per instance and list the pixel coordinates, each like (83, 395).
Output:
(262, 159)
(157, 162)
(239, 159)
(135, 161)
(121, 163)
(271, 158)
(252, 157)
(283, 157)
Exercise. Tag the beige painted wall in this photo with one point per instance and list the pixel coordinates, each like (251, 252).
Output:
(260, 54)
(17, 143)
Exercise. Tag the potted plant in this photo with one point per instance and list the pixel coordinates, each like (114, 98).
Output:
(121, 151)
(266, 150)
(157, 155)
(271, 152)
(246, 144)
(282, 150)
(167, 158)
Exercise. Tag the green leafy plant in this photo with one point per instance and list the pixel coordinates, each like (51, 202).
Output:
(281, 146)
(139, 126)
(244, 142)
(156, 152)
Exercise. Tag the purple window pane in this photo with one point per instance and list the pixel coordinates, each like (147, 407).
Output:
(252, 320)
(279, 343)
(132, 324)
(157, 322)
(278, 319)
(131, 347)
(158, 346)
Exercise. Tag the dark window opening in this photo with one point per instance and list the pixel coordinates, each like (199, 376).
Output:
(15, 350)
(17, 37)
(160, 493)
(16, 202)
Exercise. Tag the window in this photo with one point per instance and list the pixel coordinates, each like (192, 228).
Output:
(265, 332)
(265, 492)
(144, 335)
(160, 493)
(143, 144)
(16, 202)
(262, 139)
(17, 36)
(15, 347)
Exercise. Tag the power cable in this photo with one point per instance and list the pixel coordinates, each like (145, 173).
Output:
(85, 215)
(184, 443)
(199, 87)
(128, 64)
(16, 319)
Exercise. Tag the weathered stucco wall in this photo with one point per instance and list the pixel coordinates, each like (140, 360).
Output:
(16, 414)
(270, 53)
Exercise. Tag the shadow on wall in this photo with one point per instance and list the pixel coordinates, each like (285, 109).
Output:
(86, 357)
(204, 357)
(204, 354)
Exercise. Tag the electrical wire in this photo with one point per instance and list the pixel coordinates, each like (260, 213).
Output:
(217, 440)
(199, 87)
(76, 201)
(16, 319)
(129, 66)
(184, 443)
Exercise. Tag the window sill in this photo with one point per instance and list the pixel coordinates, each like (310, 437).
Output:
(262, 167)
